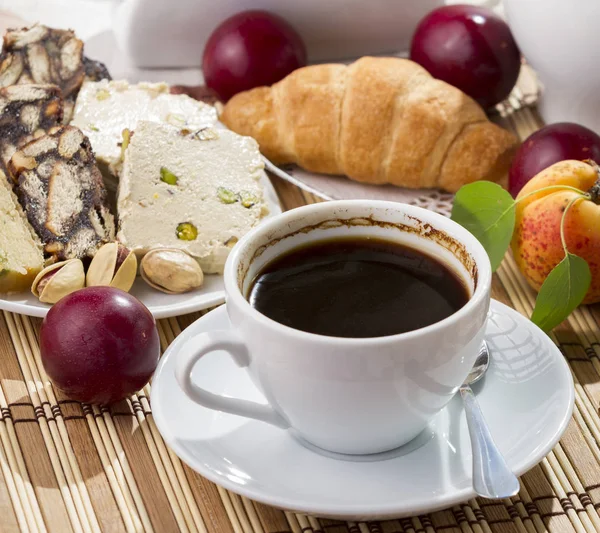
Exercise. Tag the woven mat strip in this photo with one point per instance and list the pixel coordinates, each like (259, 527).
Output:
(28, 519)
(85, 431)
(237, 513)
(11, 508)
(519, 301)
(17, 500)
(170, 460)
(126, 491)
(169, 329)
(123, 499)
(14, 456)
(128, 430)
(184, 522)
(523, 300)
(114, 475)
(29, 440)
(109, 470)
(54, 431)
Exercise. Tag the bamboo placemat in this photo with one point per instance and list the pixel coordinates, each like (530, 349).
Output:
(68, 467)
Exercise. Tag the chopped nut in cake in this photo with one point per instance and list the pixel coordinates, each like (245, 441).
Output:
(39, 54)
(26, 111)
(106, 108)
(197, 191)
(62, 192)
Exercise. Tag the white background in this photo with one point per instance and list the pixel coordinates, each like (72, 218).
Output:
(86, 17)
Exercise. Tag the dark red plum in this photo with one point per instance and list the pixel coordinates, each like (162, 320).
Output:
(471, 48)
(99, 345)
(251, 49)
(549, 145)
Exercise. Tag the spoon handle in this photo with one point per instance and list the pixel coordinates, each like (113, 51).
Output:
(491, 476)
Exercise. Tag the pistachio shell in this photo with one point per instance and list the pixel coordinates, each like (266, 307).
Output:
(126, 273)
(102, 267)
(58, 280)
(171, 270)
(112, 266)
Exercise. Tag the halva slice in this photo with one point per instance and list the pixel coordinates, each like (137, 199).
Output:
(26, 111)
(39, 54)
(21, 255)
(62, 193)
(197, 191)
(104, 109)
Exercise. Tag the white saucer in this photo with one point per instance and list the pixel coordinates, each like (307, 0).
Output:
(526, 396)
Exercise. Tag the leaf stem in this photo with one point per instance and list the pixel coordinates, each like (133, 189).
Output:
(552, 188)
(564, 216)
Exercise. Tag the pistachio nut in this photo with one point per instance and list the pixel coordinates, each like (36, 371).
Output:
(113, 265)
(58, 280)
(171, 270)
(186, 231)
(168, 177)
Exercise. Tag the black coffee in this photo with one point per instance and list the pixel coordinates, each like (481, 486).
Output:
(357, 287)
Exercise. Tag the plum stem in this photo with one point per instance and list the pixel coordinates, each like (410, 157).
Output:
(594, 191)
(564, 216)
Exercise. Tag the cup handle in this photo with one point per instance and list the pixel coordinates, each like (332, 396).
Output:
(226, 341)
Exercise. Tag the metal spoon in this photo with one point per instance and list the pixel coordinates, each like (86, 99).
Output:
(491, 476)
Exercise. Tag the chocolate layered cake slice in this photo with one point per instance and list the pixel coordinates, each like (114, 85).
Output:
(26, 112)
(62, 193)
(39, 54)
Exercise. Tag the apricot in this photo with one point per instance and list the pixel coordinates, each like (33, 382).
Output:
(536, 242)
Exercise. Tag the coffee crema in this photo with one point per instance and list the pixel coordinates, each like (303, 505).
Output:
(357, 287)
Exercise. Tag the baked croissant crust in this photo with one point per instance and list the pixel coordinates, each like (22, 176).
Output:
(378, 120)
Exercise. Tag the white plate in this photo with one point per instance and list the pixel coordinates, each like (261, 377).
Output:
(527, 398)
(161, 305)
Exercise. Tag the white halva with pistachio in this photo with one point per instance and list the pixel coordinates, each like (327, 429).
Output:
(197, 191)
(105, 108)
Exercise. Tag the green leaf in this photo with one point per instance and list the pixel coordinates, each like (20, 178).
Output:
(562, 291)
(488, 212)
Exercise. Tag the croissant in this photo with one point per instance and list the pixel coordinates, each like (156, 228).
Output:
(378, 120)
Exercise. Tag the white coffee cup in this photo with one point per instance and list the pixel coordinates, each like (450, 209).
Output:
(560, 40)
(346, 395)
